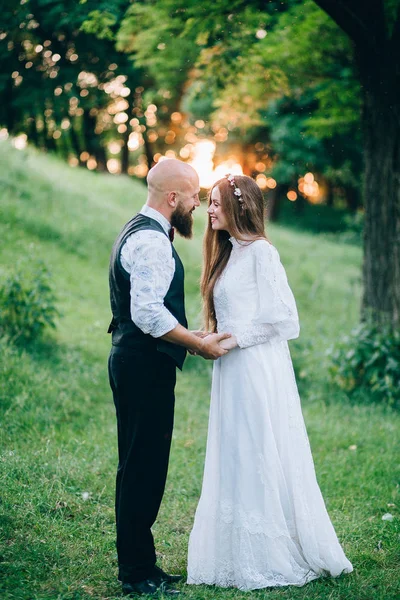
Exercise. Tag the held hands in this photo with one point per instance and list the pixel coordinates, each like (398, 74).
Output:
(212, 347)
(199, 342)
(200, 334)
(216, 344)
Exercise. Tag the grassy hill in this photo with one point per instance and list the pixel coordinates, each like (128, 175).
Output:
(57, 423)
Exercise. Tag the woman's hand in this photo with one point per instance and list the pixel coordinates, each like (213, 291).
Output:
(229, 343)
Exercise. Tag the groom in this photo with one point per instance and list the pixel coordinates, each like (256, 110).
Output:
(149, 340)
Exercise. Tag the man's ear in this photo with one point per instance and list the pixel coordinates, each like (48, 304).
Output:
(172, 199)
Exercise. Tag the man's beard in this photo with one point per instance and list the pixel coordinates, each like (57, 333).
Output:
(182, 221)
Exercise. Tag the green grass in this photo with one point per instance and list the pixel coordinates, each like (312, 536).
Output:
(57, 423)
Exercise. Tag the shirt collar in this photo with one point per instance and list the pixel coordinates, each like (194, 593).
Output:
(157, 216)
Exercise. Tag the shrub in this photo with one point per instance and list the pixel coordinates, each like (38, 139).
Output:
(27, 302)
(369, 359)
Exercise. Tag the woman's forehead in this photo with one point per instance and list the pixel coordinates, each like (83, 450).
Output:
(215, 194)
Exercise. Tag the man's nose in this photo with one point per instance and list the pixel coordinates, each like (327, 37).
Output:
(197, 201)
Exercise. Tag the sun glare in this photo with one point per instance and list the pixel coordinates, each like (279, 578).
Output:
(202, 162)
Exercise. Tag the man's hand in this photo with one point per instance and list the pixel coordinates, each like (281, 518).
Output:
(211, 348)
(200, 334)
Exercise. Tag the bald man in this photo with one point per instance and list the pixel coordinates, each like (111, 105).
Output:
(149, 340)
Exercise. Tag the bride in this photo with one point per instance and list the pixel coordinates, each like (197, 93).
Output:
(261, 520)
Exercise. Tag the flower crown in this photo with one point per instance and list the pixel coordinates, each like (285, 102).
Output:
(237, 191)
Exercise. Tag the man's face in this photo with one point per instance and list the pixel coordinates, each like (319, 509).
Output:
(188, 201)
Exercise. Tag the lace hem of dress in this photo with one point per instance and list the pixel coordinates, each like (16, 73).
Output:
(241, 550)
(251, 567)
(228, 580)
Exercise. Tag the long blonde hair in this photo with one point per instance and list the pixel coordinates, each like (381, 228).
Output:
(244, 220)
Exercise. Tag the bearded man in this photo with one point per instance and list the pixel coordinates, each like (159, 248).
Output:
(149, 340)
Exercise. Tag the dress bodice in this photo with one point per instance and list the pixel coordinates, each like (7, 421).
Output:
(252, 297)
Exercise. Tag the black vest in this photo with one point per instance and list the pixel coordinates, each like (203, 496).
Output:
(124, 331)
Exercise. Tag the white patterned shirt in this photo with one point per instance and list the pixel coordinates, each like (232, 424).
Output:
(147, 256)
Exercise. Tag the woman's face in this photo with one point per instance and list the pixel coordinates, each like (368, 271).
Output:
(215, 212)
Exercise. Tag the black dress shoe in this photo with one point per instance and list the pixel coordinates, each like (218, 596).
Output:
(160, 575)
(148, 587)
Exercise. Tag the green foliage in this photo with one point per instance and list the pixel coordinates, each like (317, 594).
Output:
(318, 219)
(296, 151)
(297, 147)
(354, 231)
(152, 36)
(318, 60)
(100, 24)
(27, 302)
(62, 104)
(280, 73)
(369, 359)
(391, 10)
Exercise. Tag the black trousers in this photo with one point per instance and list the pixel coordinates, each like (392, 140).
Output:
(143, 386)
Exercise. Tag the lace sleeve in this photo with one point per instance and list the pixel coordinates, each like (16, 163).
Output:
(277, 317)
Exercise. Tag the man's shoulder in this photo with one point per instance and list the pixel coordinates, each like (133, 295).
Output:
(147, 235)
(142, 223)
(146, 241)
(141, 220)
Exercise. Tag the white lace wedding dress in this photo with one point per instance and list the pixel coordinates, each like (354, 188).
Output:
(261, 520)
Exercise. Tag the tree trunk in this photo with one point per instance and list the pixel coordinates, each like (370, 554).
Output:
(352, 196)
(125, 152)
(64, 146)
(148, 151)
(48, 139)
(93, 141)
(381, 269)
(330, 197)
(377, 51)
(73, 136)
(88, 125)
(33, 135)
(274, 202)
(101, 157)
(8, 99)
(300, 205)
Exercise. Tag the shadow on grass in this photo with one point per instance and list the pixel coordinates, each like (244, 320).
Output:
(47, 387)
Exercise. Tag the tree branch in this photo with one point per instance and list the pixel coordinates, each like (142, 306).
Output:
(364, 24)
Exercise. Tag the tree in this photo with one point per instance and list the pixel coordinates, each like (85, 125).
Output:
(374, 29)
